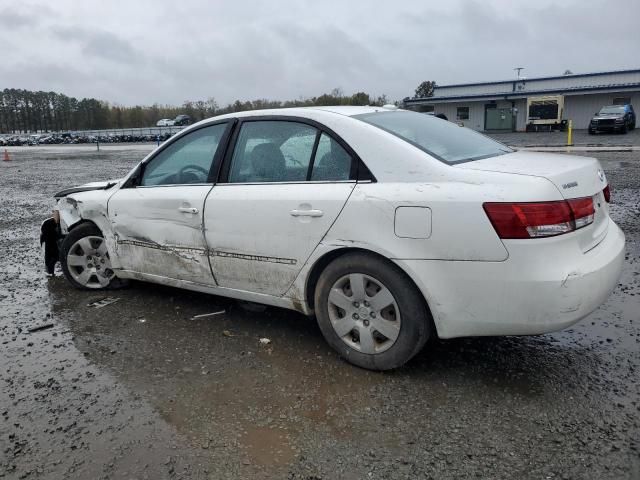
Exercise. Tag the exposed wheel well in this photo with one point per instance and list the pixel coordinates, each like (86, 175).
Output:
(83, 222)
(329, 257)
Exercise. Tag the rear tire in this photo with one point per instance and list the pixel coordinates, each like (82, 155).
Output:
(85, 260)
(370, 312)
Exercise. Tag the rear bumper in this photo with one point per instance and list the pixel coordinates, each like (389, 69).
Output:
(535, 291)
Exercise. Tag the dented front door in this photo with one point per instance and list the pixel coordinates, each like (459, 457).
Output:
(157, 221)
(159, 231)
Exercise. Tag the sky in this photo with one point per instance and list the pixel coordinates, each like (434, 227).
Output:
(141, 52)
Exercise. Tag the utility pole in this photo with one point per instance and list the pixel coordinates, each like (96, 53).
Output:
(517, 69)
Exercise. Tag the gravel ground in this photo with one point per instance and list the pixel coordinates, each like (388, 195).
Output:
(138, 389)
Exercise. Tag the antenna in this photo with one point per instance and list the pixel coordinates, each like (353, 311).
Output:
(517, 69)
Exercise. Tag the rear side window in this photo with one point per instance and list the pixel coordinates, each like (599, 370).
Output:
(332, 161)
(441, 139)
(272, 151)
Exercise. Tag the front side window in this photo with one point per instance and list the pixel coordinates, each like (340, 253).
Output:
(272, 151)
(185, 161)
(445, 141)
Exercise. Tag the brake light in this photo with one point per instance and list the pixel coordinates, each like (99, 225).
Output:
(540, 219)
(607, 194)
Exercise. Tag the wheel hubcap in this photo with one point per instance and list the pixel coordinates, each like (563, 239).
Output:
(89, 264)
(364, 313)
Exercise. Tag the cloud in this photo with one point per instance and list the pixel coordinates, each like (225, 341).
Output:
(99, 43)
(158, 51)
(13, 20)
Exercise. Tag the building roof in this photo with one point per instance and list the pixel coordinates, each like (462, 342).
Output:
(618, 80)
(531, 79)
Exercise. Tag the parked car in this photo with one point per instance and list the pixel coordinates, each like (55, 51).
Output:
(390, 226)
(182, 120)
(165, 122)
(614, 118)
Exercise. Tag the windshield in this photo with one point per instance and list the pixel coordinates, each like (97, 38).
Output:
(441, 139)
(612, 110)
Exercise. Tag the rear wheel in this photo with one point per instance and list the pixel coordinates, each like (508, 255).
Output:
(370, 312)
(85, 259)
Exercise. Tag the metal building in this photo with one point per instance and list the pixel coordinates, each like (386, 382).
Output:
(505, 105)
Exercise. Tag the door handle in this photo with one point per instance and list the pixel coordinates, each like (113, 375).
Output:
(188, 209)
(306, 213)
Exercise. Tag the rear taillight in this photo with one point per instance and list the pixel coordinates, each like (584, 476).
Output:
(582, 211)
(607, 194)
(539, 219)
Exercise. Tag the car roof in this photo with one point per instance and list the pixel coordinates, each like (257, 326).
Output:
(344, 110)
(350, 111)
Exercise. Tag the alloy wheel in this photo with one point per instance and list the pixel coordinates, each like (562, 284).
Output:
(89, 263)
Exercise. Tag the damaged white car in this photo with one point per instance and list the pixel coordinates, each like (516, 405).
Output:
(390, 226)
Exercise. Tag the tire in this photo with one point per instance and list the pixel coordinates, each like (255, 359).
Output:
(623, 130)
(85, 259)
(405, 316)
(591, 131)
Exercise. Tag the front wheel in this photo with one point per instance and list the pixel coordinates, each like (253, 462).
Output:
(85, 259)
(370, 312)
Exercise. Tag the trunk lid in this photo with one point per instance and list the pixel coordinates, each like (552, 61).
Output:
(573, 176)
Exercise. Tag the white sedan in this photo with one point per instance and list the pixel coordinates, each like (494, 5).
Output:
(164, 122)
(391, 226)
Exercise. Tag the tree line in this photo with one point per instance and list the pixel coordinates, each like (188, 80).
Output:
(38, 111)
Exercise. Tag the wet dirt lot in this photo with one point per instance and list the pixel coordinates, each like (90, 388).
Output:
(139, 389)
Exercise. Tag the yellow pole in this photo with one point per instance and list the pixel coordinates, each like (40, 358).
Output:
(570, 133)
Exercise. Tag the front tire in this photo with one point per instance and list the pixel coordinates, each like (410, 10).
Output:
(370, 312)
(85, 259)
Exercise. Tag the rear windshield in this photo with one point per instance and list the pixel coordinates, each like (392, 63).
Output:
(441, 139)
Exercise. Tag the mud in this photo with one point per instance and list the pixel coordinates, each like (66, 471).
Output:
(140, 389)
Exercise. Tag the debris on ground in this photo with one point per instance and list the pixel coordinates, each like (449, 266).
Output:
(37, 328)
(103, 302)
(265, 341)
(227, 333)
(203, 315)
